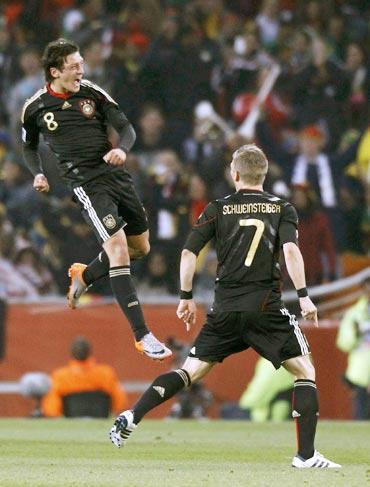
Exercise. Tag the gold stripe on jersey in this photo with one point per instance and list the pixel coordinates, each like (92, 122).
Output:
(89, 84)
(32, 99)
(244, 208)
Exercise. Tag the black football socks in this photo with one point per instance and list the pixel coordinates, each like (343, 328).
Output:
(125, 293)
(305, 412)
(96, 269)
(163, 388)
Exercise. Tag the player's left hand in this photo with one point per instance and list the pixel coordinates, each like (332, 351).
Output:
(308, 310)
(41, 184)
(187, 312)
(115, 157)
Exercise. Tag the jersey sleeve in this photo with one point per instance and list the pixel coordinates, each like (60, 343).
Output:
(111, 112)
(288, 229)
(30, 141)
(120, 123)
(203, 230)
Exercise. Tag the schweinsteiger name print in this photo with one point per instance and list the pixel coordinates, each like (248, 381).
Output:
(251, 208)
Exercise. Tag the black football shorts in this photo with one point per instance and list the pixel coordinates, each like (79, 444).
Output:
(273, 333)
(109, 203)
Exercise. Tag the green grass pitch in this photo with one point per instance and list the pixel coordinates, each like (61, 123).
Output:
(37, 452)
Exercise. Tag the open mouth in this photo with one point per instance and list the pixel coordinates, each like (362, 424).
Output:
(77, 83)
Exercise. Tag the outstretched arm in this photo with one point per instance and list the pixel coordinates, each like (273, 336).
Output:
(295, 266)
(187, 310)
(31, 156)
(202, 232)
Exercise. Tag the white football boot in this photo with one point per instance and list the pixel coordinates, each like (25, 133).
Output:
(316, 461)
(123, 427)
(149, 345)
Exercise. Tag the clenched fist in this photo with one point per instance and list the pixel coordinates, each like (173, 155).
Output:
(41, 184)
(115, 157)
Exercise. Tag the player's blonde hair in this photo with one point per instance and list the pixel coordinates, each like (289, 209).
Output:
(251, 163)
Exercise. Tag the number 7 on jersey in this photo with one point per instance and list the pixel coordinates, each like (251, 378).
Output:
(260, 226)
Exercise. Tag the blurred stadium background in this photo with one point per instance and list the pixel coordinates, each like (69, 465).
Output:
(292, 75)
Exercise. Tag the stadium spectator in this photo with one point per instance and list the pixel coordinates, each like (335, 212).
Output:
(30, 266)
(168, 197)
(268, 23)
(354, 339)
(152, 135)
(96, 68)
(16, 286)
(13, 283)
(22, 203)
(158, 278)
(318, 253)
(356, 67)
(8, 68)
(3, 317)
(300, 54)
(198, 197)
(204, 152)
(319, 93)
(323, 172)
(32, 79)
(83, 387)
(314, 15)
(127, 52)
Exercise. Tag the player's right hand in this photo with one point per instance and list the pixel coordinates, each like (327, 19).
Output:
(41, 184)
(115, 157)
(308, 310)
(187, 312)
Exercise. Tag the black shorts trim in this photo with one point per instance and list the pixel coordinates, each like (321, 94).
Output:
(97, 224)
(111, 203)
(274, 334)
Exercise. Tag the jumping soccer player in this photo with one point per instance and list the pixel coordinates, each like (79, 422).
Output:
(249, 228)
(72, 114)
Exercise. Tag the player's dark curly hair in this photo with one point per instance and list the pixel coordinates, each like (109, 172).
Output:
(55, 54)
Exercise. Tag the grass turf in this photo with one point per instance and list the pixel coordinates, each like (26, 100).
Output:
(182, 453)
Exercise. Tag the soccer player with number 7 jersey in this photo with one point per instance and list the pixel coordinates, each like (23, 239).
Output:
(73, 114)
(249, 228)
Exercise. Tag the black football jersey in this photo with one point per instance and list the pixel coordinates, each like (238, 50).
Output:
(249, 227)
(74, 127)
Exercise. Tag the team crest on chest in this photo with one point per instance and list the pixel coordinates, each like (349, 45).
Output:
(109, 221)
(87, 107)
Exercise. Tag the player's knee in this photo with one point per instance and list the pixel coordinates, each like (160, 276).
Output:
(301, 367)
(194, 375)
(117, 252)
(143, 249)
(196, 368)
(306, 370)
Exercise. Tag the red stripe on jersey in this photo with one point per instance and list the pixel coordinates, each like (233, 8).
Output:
(197, 225)
(64, 96)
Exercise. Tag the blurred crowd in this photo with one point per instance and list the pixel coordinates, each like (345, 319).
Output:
(159, 59)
